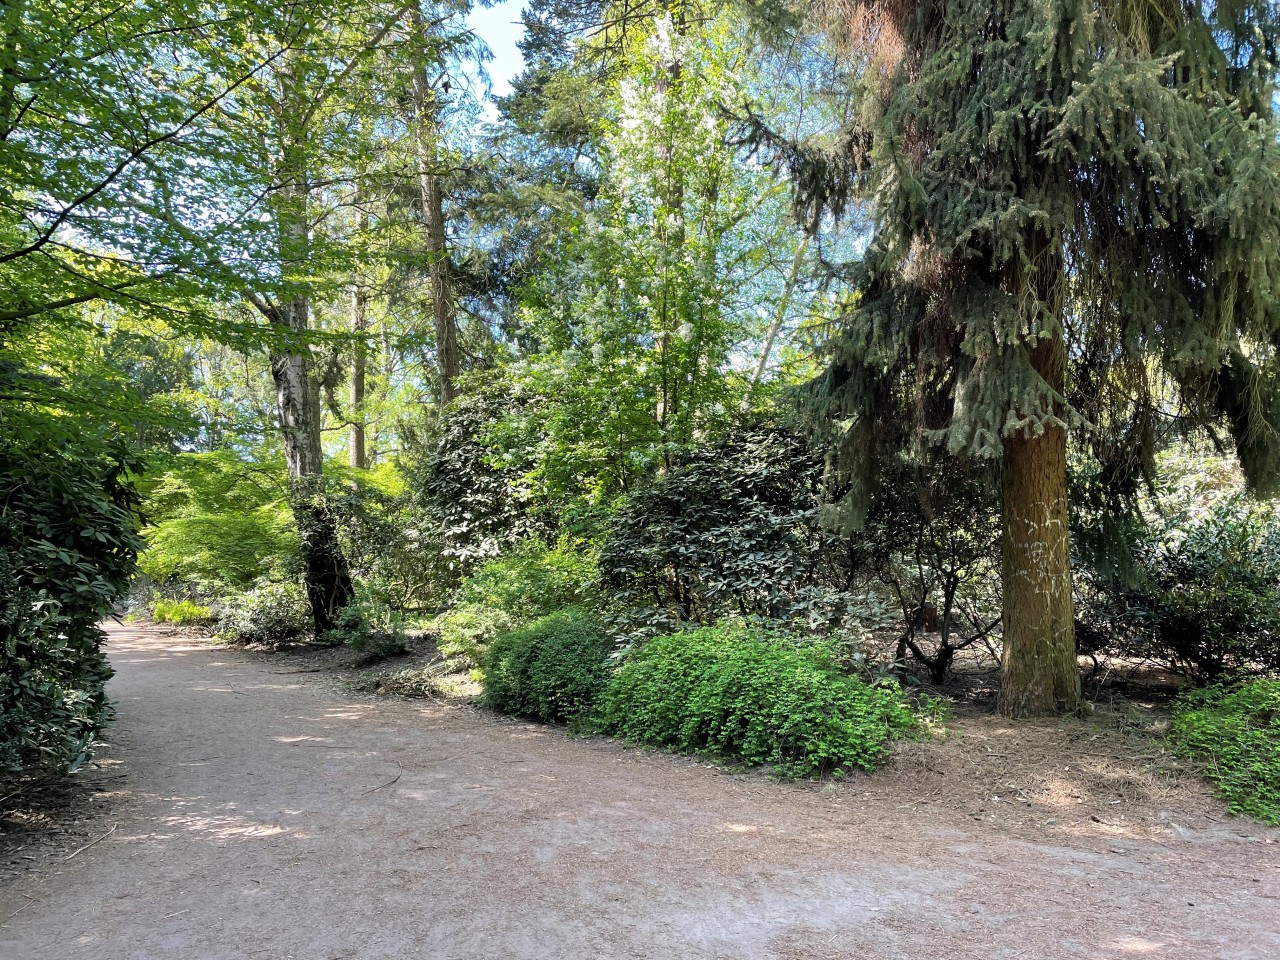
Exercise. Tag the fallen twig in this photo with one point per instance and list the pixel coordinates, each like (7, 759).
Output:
(91, 843)
(387, 784)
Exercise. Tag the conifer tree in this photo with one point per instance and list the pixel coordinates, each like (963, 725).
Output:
(1077, 210)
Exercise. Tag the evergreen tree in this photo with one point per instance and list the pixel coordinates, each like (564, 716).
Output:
(1077, 211)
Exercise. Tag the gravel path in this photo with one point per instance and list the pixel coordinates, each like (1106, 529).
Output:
(270, 815)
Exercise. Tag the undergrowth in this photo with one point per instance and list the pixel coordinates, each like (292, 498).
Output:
(743, 694)
(1236, 733)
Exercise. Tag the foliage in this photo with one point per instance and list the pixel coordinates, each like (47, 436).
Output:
(217, 522)
(748, 695)
(371, 628)
(475, 503)
(68, 550)
(529, 581)
(385, 537)
(552, 670)
(180, 612)
(932, 536)
(268, 614)
(1236, 732)
(732, 529)
(1205, 598)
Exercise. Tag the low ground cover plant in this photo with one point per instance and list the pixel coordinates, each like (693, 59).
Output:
(1236, 733)
(180, 612)
(741, 693)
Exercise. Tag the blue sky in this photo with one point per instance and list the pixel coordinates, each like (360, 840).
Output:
(500, 27)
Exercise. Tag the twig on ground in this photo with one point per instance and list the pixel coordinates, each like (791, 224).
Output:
(387, 784)
(91, 843)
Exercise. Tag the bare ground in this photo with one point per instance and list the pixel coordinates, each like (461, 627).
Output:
(252, 806)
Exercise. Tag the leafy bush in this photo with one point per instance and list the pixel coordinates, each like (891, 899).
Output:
(370, 627)
(932, 538)
(67, 550)
(1237, 733)
(732, 529)
(1205, 600)
(269, 614)
(760, 698)
(552, 670)
(528, 581)
(218, 523)
(180, 612)
(473, 501)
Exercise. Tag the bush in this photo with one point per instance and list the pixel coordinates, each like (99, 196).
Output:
(552, 670)
(1237, 733)
(1205, 600)
(760, 698)
(531, 580)
(732, 529)
(371, 628)
(270, 614)
(180, 612)
(67, 550)
(218, 523)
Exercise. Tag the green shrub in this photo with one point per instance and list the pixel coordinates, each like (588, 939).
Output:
(270, 614)
(180, 612)
(731, 528)
(531, 580)
(468, 629)
(760, 698)
(217, 523)
(371, 628)
(553, 669)
(1236, 732)
(67, 550)
(1205, 600)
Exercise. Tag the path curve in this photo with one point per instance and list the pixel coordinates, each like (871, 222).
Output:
(270, 815)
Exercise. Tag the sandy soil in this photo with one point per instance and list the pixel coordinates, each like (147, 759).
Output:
(250, 807)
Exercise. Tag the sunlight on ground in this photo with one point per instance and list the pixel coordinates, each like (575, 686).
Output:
(229, 828)
(1137, 945)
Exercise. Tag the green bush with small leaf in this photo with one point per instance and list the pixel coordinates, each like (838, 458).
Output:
(371, 628)
(269, 614)
(742, 694)
(552, 670)
(1236, 733)
(529, 581)
(180, 612)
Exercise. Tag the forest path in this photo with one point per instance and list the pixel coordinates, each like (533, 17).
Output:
(270, 815)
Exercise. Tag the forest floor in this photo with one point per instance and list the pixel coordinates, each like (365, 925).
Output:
(255, 805)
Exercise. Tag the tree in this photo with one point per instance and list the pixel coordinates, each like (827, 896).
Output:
(1078, 229)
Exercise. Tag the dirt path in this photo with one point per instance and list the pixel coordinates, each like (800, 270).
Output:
(269, 815)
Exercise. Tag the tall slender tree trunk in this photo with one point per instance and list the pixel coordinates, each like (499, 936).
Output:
(359, 363)
(1040, 674)
(426, 142)
(359, 358)
(325, 573)
(779, 318)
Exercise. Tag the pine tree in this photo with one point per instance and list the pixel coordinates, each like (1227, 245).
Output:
(1077, 210)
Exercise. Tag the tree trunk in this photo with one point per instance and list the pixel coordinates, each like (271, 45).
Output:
(359, 359)
(325, 574)
(1039, 672)
(426, 138)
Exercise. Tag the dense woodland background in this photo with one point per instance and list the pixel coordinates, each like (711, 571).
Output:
(747, 370)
